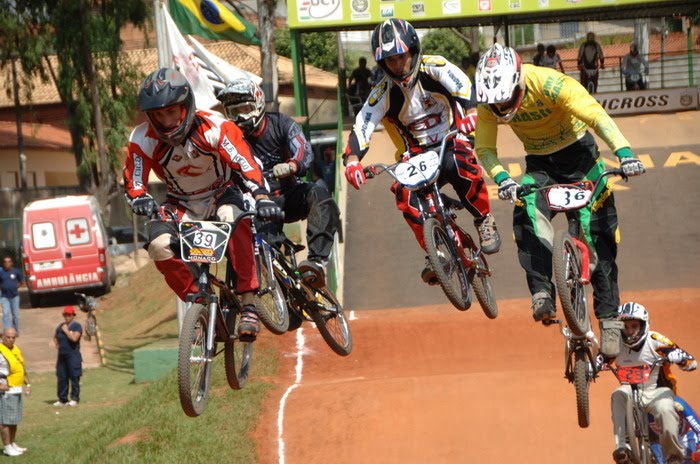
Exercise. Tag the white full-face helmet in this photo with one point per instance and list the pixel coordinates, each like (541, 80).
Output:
(634, 311)
(500, 81)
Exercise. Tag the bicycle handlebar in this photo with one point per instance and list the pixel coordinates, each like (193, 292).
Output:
(527, 189)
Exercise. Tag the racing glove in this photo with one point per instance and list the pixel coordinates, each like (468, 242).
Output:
(632, 167)
(283, 170)
(462, 145)
(467, 124)
(508, 189)
(354, 173)
(144, 205)
(268, 210)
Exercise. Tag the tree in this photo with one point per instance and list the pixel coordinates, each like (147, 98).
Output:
(446, 43)
(95, 81)
(320, 48)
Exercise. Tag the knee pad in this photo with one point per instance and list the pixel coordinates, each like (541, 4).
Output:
(159, 248)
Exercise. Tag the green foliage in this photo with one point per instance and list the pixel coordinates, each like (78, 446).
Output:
(445, 43)
(320, 48)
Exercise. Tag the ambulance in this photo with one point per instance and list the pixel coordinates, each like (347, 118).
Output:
(64, 247)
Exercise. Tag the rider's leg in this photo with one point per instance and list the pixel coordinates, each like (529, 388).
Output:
(618, 400)
(461, 170)
(659, 403)
(406, 203)
(178, 274)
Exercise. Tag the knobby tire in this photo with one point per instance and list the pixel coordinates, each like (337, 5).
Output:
(566, 262)
(436, 239)
(481, 284)
(238, 355)
(331, 322)
(193, 369)
(581, 382)
(272, 308)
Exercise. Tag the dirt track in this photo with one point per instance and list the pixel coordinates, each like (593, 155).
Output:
(432, 385)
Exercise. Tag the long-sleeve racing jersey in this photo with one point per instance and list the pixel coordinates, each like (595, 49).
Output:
(213, 156)
(281, 140)
(416, 117)
(555, 112)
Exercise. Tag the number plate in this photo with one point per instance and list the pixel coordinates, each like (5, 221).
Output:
(420, 170)
(203, 241)
(633, 375)
(565, 197)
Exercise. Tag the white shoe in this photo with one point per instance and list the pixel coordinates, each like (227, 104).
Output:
(18, 448)
(72, 403)
(59, 403)
(10, 451)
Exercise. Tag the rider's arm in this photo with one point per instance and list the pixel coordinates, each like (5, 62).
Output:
(367, 119)
(137, 165)
(574, 98)
(665, 346)
(600, 55)
(236, 152)
(299, 149)
(485, 144)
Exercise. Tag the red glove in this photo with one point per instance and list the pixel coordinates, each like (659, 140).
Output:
(462, 145)
(467, 124)
(355, 174)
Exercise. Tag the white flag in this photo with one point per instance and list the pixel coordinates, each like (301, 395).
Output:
(226, 71)
(183, 58)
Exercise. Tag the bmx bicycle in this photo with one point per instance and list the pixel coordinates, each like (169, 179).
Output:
(212, 313)
(283, 287)
(457, 261)
(571, 264)
(88, 304)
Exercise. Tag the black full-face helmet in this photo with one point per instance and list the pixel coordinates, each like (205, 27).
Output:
(161, 89)
(394, 37)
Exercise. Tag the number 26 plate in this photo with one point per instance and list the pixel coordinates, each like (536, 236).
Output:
(203, 241)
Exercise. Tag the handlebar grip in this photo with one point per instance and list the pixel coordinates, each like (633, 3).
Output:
(370, 171)
(524, 190)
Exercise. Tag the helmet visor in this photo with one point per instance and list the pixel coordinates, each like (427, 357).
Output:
(241, 111)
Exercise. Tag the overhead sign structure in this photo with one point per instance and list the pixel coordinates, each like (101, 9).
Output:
(314, 14)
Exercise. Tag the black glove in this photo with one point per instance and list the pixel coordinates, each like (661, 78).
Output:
(269, 211)
(144, 205)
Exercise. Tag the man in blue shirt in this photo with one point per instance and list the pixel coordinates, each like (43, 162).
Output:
(69, 365)
(10, 280)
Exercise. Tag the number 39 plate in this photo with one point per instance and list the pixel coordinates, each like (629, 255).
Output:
(204, 241)
(565, 197)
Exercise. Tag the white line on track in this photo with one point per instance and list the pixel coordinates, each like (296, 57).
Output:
(283, 401)
(352, 316)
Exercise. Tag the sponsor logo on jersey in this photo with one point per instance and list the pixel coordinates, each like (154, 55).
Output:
(235, 156)
(434, 61)
(425, 123)
(427, 101)
(532, 115)
(660, 338)
(378, 93)
(455, 79)
(552, 87)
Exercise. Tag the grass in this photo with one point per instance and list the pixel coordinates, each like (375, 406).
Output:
(119, 421)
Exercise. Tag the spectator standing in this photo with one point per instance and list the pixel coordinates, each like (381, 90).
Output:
(12, 379)
(10, 280)
(551, 59)
(632, 69)
(590, 59)
(359, 85)
(537, 59)
(69, 365)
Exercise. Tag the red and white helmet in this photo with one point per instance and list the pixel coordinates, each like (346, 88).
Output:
(634, 311)
(500, 81)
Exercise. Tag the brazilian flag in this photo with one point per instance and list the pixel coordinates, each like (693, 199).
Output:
(211, 20)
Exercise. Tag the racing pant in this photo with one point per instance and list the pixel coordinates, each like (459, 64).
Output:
(69, 369)
(459, 169)
(310, 201)
(164, 246)
(657, 402)
(534, 233)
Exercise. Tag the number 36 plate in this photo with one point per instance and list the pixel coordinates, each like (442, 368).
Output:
(565, 197)
(203, 241)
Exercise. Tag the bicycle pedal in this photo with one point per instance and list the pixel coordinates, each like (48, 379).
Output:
(548, 322)
(247, 338)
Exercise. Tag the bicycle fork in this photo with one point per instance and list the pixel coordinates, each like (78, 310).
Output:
(582, 246)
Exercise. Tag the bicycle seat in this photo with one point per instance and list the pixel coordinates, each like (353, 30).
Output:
(295, 247)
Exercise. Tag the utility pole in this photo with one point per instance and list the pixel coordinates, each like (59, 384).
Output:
(268, 57)
(20, 136)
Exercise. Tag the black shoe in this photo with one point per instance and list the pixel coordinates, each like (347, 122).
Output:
(313, 272)
(249, 324)
(543, 307)
(427, 274)
(622, 456)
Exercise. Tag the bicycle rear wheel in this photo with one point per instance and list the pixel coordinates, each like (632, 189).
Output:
(481, 284)
(447, 266)
(566, 262)
(272, 308)
(238, 356)
(194, 364)
(581, 382)
(331, 322)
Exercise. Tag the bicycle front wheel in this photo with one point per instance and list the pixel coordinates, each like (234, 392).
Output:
(238, 356)
(566, 262)
(331, 322)
(481, 284)
(581, 382)
(272, 308)
(194, 363)
(446, 264)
